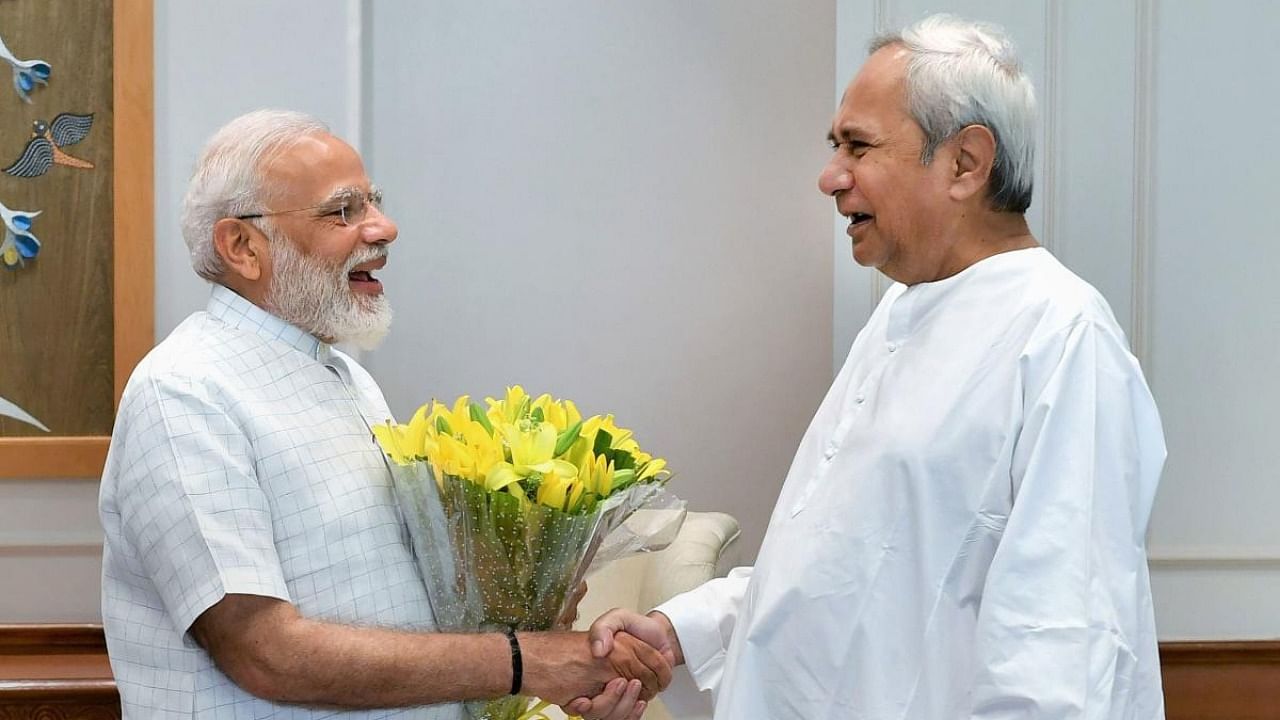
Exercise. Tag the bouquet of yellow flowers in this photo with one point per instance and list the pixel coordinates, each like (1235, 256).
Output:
(508, 504)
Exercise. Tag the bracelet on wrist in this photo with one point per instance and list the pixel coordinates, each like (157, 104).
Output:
(517, 662)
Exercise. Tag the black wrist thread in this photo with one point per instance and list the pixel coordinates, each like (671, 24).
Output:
(517, 663)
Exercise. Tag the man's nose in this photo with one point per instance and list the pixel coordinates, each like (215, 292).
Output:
(835, 177)
(378, 228)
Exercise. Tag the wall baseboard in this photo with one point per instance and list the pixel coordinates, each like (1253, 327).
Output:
(1221, 680)
(61, 639)
(52, 672)
(61, 671)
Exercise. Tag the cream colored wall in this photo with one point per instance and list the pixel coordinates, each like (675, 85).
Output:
(616, 203)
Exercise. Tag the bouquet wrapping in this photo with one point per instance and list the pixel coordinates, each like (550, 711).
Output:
(508, 505)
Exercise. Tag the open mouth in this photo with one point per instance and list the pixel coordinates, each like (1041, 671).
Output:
(857, 219)
(364, 280)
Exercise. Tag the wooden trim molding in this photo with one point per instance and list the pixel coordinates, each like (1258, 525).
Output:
(134, 188)
(45, 457)
(51, 672)
(1243, 652)
(1202, 680)
(59, 691)
(51, 639)
(1221, 680)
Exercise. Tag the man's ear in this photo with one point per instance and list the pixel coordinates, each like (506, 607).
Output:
(243, 251)
(974, 149)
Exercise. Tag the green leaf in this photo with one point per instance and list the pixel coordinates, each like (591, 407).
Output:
(622, 479)
(477, 414)
(536, 415)
(604, 441)
(623, 460)
(567, 438)
(442, 426)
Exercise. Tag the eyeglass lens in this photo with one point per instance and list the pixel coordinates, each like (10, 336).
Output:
(356, 206)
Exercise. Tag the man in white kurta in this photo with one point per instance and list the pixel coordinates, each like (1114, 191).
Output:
(961, 533)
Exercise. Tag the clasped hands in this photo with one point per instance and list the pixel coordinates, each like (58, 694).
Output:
(608, 673)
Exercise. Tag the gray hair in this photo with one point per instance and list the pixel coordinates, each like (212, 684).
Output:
(228, 180)
(962, 73)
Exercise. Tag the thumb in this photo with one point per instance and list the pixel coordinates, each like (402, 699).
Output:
(603, 630)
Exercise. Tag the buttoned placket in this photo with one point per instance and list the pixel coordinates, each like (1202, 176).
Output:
(897, 331)
(338, 368)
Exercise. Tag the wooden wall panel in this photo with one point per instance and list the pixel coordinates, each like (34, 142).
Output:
(78, 317)
(57, 333)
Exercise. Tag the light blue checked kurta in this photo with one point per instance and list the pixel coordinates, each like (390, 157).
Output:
(242, 462)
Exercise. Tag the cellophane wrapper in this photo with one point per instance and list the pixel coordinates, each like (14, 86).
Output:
(490, 563)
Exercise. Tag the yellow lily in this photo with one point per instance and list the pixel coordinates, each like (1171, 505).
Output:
(622, 437)
(517, 438)
(560, 492)
(455, 418)
(416, 431)
(596, 474)
(392, 439)
(510, 408)
(651, 469)
(531, 452)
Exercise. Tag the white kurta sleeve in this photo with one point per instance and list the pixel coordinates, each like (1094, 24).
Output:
(189, 501)
(1065, 627)
(704, 619)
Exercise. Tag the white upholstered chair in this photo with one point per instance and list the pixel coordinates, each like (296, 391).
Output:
(705, 548)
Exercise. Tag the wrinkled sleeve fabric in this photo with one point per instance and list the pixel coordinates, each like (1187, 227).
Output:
(189, 502)
(1065, 628)
(704, 619)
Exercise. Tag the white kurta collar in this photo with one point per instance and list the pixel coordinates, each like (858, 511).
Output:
(229, 307)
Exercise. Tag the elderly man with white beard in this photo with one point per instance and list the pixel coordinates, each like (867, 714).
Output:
(255, 564)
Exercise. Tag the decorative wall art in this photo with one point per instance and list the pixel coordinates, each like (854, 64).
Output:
(76, 199)
(46, 143)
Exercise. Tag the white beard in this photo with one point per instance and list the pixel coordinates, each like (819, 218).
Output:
(315, 296)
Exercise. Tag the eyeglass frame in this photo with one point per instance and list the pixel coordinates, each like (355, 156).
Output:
(373, 197)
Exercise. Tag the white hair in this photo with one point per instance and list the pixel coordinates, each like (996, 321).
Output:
(228, 180)
(962, 73)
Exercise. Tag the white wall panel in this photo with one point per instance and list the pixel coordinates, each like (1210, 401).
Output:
(1091, 201)
(50, 551)
(1214, 308)
(617, 203)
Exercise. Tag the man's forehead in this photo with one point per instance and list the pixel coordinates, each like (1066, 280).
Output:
(885, 71)
(877, 89)
(317, 166)
(308, 153)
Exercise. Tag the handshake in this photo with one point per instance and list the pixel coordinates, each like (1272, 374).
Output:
(607, 673)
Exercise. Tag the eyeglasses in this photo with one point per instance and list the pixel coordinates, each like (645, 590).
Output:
(352, 207)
